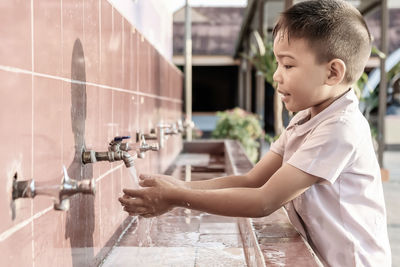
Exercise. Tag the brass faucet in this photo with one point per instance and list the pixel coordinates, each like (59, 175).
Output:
(144, 146)
(61, 193)
(117, 150)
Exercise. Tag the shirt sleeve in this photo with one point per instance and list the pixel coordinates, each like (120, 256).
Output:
(279, 145)
(327, 150)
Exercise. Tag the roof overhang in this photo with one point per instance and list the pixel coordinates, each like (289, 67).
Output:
(207, 60)
(275, 7)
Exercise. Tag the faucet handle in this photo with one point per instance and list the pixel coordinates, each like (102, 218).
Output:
(116, 144)
(120, 138)
(188, 124)
(180, 127)
(154, 147)
(172, 130)
(70, 187)
(125, 147)
(144, 147)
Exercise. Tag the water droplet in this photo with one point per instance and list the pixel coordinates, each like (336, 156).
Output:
(133, 175)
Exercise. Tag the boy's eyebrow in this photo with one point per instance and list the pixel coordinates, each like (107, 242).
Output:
(284, 55)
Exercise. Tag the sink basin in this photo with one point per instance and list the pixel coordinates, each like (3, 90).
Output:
(185, 237)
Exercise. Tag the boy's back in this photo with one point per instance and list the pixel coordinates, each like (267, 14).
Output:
(344, 217)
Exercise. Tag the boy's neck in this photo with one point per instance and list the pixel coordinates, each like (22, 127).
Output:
(338, 92)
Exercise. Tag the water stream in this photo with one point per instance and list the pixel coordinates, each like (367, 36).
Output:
(134, 177)
(144, 237)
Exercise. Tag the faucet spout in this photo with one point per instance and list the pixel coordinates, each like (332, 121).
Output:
(61, 193)
(110, 156)
(128, 159)
(116, 151)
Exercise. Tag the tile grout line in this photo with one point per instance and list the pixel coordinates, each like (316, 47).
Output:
(13, 230)
(98, 79)
(18, 70)
(113, 128)
(98, 179)
(6, 234)
(62, 84)
(123, 75)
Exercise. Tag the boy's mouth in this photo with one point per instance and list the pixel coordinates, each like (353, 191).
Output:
(284, 96)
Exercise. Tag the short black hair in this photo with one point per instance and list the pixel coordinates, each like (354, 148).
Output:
(333, 28)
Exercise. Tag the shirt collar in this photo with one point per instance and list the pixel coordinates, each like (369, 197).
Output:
(302, 124)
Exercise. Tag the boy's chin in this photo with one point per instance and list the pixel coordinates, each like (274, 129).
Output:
(291, 109)
(294, 109)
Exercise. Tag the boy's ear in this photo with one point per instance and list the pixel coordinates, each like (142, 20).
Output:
(336, 71)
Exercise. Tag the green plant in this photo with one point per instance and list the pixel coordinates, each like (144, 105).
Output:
(240, 125)
(270, 138)
(263, 58)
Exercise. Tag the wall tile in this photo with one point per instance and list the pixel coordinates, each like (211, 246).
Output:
(135, 59)
(127, 55)
(111, 211)
(17, 249)
(111, 42)
(143, 64)
(163, 77)
(105, 126)
(91, 39)
(15, 32)
(48, 235)
(115, 47)
(157, 65)
(47, 40)
(105, 38)
(151, 69)
(56, 118)
(98, 226)
(72, 38)
(48, 135)
(121, 115)
(16, 133)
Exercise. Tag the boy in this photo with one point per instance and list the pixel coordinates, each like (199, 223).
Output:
(323, 167)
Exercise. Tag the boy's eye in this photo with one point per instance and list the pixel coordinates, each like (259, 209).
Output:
(288, 66)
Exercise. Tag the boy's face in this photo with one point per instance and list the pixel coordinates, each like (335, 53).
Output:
(300, 79)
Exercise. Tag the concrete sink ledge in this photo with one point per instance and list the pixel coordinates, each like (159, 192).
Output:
(185, 237)
(267, 241)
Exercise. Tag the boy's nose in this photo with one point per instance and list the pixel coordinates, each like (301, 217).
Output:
(277, 76)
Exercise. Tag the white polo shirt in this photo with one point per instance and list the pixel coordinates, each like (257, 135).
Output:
(344, 217)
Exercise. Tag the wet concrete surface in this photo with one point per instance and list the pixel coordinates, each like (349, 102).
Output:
(185, 237)
(180, 238)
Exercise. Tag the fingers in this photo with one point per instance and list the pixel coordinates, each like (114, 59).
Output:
(148, 182)
(126, 201)
(144, 176)
(136, 210)
(139, 211)
(133, 192)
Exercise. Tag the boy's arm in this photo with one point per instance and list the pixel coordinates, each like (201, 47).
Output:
(256, 177)
(160, 196)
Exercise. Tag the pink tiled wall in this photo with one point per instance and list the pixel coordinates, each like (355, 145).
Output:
(74, 74)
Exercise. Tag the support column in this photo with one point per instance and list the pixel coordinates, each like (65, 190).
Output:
(241, 78)
(260, 80)
(383, 83)
(188, 68)
(248, 86)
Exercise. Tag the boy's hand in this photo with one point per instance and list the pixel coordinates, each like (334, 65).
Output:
(152, 200)
(171, 179)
